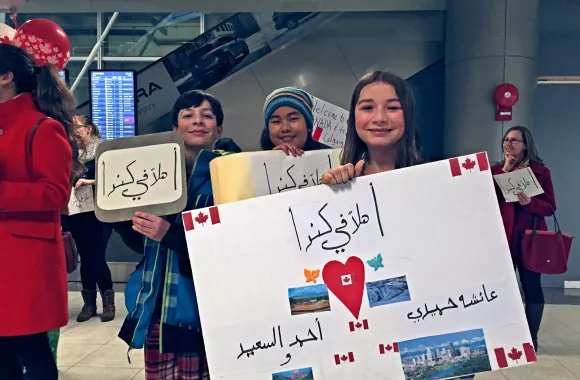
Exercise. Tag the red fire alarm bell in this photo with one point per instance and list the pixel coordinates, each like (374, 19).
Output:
(506, 96)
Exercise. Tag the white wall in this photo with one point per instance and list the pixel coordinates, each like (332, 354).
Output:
(328, 62)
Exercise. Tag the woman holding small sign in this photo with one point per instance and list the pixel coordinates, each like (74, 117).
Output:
(520, 152)
(289, 122)
(91, 235)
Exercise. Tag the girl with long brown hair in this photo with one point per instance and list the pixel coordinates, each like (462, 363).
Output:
(38, 155)
(381, 134)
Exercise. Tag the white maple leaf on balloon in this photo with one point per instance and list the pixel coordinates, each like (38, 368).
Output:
(30, 50)
(27, 43)
(17, 43)
(35, 47)
(32, 39)
(46, 48)
(59, 55)
(55, 49)
(52, 59)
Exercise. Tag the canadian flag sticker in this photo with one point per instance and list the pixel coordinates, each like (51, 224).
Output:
(469, 164)
(201, 218)
(354, 326)
(338, 359)
(387, 348)
(346, 279)
(514, 356)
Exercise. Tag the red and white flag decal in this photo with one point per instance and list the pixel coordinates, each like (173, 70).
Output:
(317, 134)
(364, 324)
(338, 359)
(384, 349)
(200, 218)
(468, 164)
(514, 356)
(346, 279)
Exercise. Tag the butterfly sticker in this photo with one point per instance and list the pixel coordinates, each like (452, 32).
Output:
(376, 262)
(311, 275)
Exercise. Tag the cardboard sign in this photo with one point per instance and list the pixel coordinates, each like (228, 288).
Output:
(399, 275)
(249, 175)
(144, 173)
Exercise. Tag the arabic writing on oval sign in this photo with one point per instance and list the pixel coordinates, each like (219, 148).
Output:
(140, 176)
(141, 186)
(334, 227)
(289, 181)
(277, 340)
(462, 301)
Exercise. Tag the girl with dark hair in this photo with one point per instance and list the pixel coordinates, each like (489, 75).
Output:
(520, 152)
(91, 235)
(38, 156)
(381, 134)
(289, 122)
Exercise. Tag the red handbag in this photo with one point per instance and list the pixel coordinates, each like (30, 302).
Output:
(546, 252)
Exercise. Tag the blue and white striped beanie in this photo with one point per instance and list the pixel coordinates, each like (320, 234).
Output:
(290, 97)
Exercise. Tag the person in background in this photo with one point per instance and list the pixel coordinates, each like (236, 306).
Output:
(381, 134)
(520, 152)
(169, 329)
(35, 184)
(289, 122)
(91, 235)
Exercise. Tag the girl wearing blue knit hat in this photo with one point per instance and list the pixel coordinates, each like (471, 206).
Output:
(289, 122)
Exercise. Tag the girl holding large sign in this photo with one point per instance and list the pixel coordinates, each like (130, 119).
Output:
(381, 133)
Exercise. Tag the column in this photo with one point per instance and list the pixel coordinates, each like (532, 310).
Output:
(488, 42)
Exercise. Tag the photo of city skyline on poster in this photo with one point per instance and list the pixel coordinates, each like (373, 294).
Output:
(445, 356)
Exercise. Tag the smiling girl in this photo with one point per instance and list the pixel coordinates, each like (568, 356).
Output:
(381, 134)
(289, 122)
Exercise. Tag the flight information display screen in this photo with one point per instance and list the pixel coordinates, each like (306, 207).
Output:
(113, 102)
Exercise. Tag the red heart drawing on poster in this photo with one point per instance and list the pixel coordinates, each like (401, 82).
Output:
(346, 281)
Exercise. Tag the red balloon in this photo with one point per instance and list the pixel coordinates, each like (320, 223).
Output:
(45, 41)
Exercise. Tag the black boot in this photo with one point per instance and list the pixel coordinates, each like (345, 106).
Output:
(108, 306)
(90, 306)
(534, 314)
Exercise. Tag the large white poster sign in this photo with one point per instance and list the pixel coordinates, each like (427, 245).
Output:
(81, 200)
(330, 123)
(518, 181)
(144, 173)
(255, 174)
(399, 275)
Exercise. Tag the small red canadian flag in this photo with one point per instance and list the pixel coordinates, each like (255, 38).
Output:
(383, 349)
(358, 325)
(468, 164)
(201, 218)
(338, 359)
(515, 355)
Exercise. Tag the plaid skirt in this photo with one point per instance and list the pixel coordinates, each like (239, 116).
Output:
(172, 366)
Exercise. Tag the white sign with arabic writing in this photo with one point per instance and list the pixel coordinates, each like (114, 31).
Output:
(518, 181)
(275, 172)
(81, 200)
(330, 123)
(143, 173)
(366, 280)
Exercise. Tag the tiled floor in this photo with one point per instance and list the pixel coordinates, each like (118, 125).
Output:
(92, 351)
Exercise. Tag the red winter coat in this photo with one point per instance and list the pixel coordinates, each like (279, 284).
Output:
(33, 279)
(518, 218)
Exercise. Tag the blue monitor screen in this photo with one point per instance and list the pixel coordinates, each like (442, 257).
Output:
(113, 103)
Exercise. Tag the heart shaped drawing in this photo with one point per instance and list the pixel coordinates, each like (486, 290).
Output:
(346, 281)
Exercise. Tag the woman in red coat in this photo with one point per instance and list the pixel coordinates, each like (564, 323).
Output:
(520, 151)
(35, 183)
